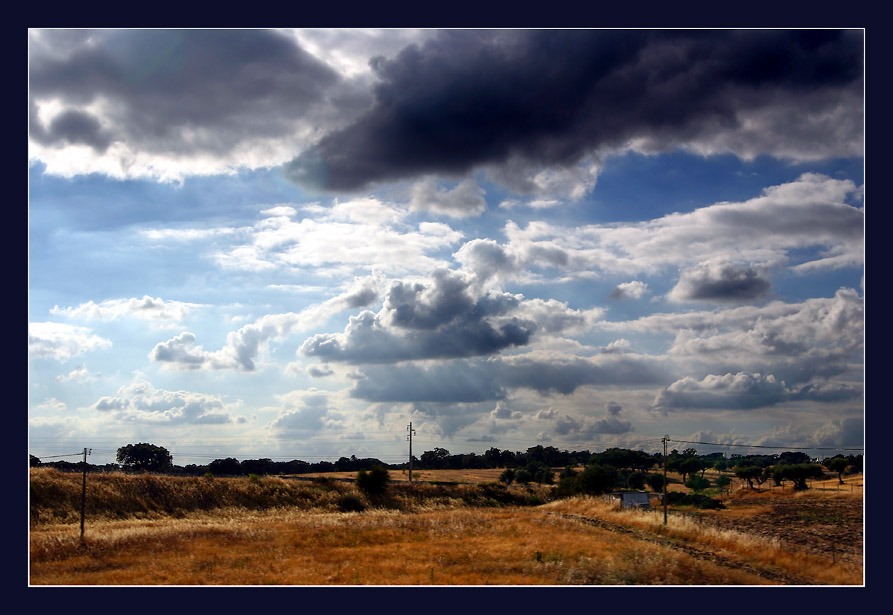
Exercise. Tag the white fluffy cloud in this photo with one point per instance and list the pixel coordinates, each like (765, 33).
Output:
(50, 340)
(141, 402)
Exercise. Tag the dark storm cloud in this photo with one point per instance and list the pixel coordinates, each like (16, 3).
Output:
(451, 382)
(467, 98)
(743, 391)
(488, 379)
(72, 127)
(177, 90)
(566, 375)
(440, 319)
(721, 282)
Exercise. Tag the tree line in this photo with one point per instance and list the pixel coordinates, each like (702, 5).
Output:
(601, 471)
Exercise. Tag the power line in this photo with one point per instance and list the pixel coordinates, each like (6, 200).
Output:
(787, 448)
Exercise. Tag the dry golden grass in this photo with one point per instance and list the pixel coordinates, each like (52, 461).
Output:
(144, 530)
(448, 547)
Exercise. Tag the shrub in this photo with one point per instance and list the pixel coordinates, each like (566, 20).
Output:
(523, 476)
(374, 482)
(697, 483)
(350, 503)
(693, 499)
(508, 476)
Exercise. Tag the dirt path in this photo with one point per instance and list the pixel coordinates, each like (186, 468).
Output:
(769, 575)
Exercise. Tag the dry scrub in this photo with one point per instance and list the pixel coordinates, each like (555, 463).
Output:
(145, 530)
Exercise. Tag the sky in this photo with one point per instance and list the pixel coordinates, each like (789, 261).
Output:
(294, 244)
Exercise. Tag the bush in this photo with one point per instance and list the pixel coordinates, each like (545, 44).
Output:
(374, 482)
(636, 480)
(523, 476)
(697, 483)
(350, 503)
(656, 482)
(594, 480)
(693, 499)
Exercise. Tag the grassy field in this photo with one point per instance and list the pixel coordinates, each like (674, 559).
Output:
(462, 528)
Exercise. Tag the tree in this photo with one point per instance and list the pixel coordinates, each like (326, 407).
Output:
(750, 474)
(799, 473)
(436, 459)
(686, 465)
(145, 457)
(697, 483)
(838, 464)
(225, 467)
(656, 482)
(596, 479)
(34, 461)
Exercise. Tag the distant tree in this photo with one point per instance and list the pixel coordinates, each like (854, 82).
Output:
(697, 483)
(34, 461)
(507, 476)
(656, 482)
(838, 464)
(793, 458)
(567, 472)
(596, 479)
(373, 482)
(636, 480)
(257, 466)
(145, 457)
(723, 481)
(225, 467)
(523, 476)
(799, 473)
(686, 465)
(436, 459)
(750, 474)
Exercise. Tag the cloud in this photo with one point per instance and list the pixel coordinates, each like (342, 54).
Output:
(503, 412)
(438, 320)
(172, 102)
(782, 226)
(467, 99)
(629, 290)
(799, 343)
(474, 380)
(464, 200)
(306, 411)
(244, 345)
(575, 429)
(80, 375)
(141, 402)
(50, 340)
(721, 281)
(361, 234)
(743, 391)
(146, 308)
(846, 432)
(443, 382)
(565, 374)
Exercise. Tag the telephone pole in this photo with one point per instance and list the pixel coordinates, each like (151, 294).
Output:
(665, 439)
(87, 451)
(409, 437)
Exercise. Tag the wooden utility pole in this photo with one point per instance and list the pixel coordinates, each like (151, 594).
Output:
(664, 440)
(409, 437)
(84, 494)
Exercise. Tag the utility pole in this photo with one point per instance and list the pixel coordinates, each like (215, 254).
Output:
(665, 439)
(409, 437)
(87, 451)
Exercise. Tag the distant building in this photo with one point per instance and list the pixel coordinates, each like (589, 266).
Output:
(631, 499)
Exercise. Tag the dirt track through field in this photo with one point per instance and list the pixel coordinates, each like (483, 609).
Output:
(769, 575)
